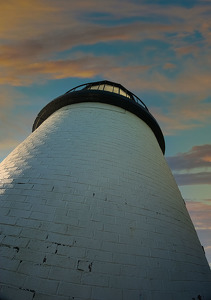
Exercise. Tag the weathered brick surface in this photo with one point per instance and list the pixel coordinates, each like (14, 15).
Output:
(10, 292)
(90, 210)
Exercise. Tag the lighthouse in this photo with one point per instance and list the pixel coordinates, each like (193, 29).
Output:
(90, 209)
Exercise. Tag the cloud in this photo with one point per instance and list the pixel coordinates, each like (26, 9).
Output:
(85, 67)
(34, 35)
(192, 179)
(49, 24)
(30, 29)
(40, 41)
(168, 66)
(200, 213)
(171, 121)
(26, 19)
(182, 112)
(47, 15)
(82, 34)
(81, 66)
(190, 49)
(193, 80)
(197, 157)
(191, 164)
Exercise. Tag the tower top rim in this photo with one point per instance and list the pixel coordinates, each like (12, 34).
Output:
(110, 93)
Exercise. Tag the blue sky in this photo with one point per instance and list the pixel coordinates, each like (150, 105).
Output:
(160, 50)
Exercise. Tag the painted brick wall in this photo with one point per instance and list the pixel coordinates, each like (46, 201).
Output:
(90, 210)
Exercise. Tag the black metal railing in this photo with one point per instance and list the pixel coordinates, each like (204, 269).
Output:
(111, 87)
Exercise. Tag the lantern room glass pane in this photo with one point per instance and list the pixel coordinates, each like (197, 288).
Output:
(108, 88)
(123, 93)
(116, 90)
(101, 87)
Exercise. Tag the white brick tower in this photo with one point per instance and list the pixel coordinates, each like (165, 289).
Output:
(90, 209)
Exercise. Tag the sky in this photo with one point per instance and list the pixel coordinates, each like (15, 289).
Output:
(159, 50)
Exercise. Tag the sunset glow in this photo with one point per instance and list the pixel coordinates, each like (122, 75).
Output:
(159, 50)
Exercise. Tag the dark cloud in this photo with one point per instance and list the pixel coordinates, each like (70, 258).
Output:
(191, 179)
(197, 157)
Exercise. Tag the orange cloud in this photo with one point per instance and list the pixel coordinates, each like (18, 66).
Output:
(25, 19)
(52, 26)
(34, 32)
(77, 23)
(207, 158)
(82, 34)
(187, 50)
(85, 66)
(200, 213)
(169, 66)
